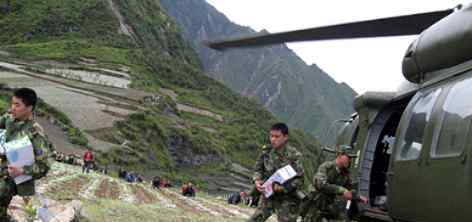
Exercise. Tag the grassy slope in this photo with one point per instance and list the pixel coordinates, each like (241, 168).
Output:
(158, 57)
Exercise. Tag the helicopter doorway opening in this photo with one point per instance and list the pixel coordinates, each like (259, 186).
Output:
(378, 150)
(383, 151)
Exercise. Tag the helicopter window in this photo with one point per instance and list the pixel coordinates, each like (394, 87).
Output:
(412, 140)
(456, 117)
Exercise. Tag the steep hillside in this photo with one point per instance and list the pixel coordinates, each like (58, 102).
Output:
(304, 96)
(117, 76)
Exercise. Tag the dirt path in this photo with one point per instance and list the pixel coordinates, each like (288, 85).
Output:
(57, 136)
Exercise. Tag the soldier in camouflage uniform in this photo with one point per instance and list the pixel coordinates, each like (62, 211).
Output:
(286, 198)
(332, 187)
(18, 124)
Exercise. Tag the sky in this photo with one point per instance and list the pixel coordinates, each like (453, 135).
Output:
(372, 64)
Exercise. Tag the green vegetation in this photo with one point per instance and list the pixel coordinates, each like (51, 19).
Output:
(76, 136)
(30, 211)
(41, 21)
(4, 102)
(70, 50)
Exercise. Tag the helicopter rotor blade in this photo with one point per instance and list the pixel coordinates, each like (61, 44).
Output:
(393, 26)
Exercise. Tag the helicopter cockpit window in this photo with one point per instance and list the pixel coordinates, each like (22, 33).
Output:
(456, 117)
(411, 141)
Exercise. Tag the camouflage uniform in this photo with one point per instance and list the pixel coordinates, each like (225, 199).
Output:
(326, 199)
(14, 130)
(285, 204)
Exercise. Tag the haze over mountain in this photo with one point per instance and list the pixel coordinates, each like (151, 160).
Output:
(300, 94)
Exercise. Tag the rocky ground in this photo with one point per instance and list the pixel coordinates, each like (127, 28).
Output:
(66, 193)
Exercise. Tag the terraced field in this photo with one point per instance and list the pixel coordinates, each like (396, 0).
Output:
(86, 109)
(90, 107)
(92, 100)
(106, 198)
(91, 77)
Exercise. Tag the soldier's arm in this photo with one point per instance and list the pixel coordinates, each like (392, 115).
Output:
(297, 182)
(3, 120)
(320, 181)
(259, 167)
(349, 184)
(41, 149)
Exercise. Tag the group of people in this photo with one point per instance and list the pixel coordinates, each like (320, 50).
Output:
(130, 176)
(71, 159)
(87, 161)
(331, 187)
(158, 182)
(250, 200)
(188, 189)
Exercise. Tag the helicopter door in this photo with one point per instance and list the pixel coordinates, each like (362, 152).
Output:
(406, 183)
(448, 170)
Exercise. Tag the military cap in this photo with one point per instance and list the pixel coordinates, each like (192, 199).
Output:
(346, 149)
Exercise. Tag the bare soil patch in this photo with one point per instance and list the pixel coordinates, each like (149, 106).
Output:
(143, 196)
(108, 189)
(68, 190)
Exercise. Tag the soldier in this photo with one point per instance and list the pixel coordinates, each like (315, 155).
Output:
(18, 124)
(332, 188)
(284, 202)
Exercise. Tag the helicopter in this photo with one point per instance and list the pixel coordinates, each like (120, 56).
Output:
(414, 144)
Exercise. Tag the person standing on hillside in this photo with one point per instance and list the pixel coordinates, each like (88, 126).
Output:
(19, 124)
(287, 196)
(88, 161)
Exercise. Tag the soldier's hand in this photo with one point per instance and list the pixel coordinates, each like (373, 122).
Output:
(347, 195)
(15, 171)
(363, 199)
(259, 186)
(278, 188)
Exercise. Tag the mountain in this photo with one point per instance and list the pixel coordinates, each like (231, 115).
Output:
(117, 76)
(300, 94)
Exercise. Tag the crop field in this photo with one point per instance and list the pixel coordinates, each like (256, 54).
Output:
(107, 198)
